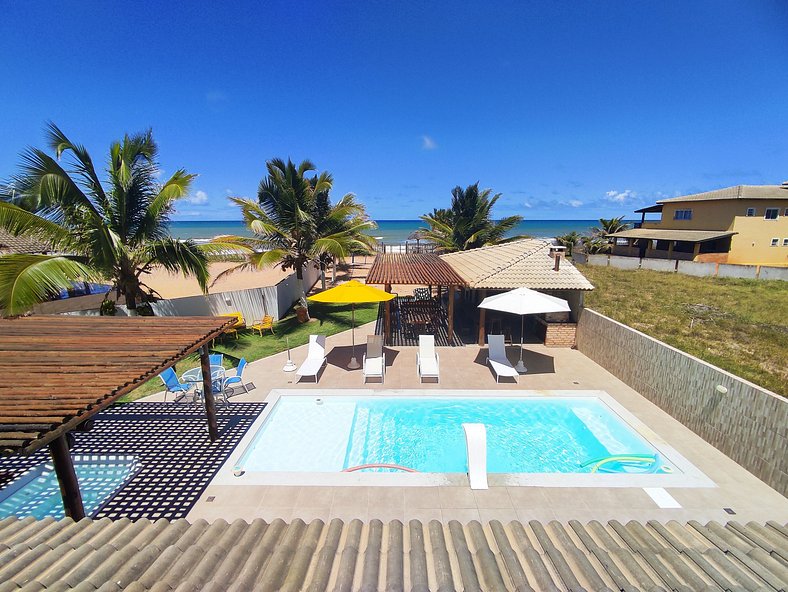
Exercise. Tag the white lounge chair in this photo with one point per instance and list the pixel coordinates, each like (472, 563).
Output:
(374, 362)
(476, 447)
(427, 359)
(496, 358)
(315, 357)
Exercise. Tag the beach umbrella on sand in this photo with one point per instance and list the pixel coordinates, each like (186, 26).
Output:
(352, 292)
(523, 301)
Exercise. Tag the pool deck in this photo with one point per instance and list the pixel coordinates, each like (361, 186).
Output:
(463, 368)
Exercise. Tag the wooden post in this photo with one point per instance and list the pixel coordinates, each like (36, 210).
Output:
(451, 314)
(670, 248)
(696, 251)
(439, 293)
(387, 319)
(207, 385)
(482, 320)
(67, 478)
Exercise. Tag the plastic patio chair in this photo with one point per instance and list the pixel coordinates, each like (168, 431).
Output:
(266, 324)
(216, 359)
(173, 385)
(237, 379)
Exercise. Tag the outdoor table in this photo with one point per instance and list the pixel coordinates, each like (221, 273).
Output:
(217, 379)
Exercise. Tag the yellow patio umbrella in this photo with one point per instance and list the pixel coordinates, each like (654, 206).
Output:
(352, 292)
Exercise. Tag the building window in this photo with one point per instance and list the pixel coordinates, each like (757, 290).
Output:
(785, 213)
(682, 215)
(750, 212)
(775, 242)
(772, 213)
(785, 242)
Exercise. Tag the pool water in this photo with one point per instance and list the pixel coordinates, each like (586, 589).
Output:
(37, 492)
(524, 435)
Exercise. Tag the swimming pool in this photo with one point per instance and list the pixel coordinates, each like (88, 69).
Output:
(36, 493)
(524, 435)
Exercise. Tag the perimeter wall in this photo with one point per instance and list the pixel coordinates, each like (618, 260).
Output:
(747, 423)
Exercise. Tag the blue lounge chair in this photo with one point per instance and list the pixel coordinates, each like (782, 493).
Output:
(173, 385)
(238, 378)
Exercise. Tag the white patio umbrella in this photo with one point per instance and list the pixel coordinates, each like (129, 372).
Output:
(523, 301)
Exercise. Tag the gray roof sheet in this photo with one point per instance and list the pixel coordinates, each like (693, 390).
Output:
(145, 555)
(735, 192)
(524, 263)
(692, 236)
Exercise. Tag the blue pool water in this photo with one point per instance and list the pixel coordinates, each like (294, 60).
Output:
(37, 493)
(524, 435)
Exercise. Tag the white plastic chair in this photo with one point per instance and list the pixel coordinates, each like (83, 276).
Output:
(496, 358)
(315, 357)
(427, 359)
(374, 363)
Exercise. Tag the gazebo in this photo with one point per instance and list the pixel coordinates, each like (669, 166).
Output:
(60, 371)
(415, 269)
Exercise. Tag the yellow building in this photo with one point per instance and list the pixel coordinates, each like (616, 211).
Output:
(745, 224)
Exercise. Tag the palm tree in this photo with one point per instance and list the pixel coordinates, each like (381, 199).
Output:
(114, 232)
(294, 224)
(596, 240)
(468, 224)
(569, 240)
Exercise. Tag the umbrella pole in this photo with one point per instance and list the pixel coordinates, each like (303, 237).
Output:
(353, 365)
(520, 365)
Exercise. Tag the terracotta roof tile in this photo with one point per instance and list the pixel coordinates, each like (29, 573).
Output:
(735, 192)
(145, 555)
(420, 269)
(10, 243)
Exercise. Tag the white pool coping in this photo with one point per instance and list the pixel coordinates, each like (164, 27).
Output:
(687, 475)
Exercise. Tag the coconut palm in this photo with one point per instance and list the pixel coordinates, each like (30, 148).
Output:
(115, 231)
(596, 240)
(569, 240)
(468, 224)
(294, 223)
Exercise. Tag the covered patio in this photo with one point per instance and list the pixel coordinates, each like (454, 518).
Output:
(658, 243)
(60, 371)
(407, 316)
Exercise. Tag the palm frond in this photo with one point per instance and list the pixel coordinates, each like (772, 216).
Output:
(26, 280)
(18, 221)
(176, 256)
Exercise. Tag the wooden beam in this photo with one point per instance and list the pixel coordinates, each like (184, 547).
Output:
(482, 319)
(451, 314)
(207, 385)
(387, 319)
(67, 478)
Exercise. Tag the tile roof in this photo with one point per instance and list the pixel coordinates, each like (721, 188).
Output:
(162, 555)
(10, 243)
(692, 236)
(68, 368)
(735, 192)
(524, 263)
(420, 269)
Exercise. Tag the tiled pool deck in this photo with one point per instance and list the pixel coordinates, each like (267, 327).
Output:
(463, 368)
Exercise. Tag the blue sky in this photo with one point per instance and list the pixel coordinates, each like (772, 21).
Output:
(576, 110)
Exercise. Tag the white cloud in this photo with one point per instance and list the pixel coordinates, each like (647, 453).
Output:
(575, 203)
(620, 196)
(428, 143)
(198, 199)
(527, 204)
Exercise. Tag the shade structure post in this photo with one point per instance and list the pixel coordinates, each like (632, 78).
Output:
(521, 365)
(353, 365)
(67, 478)
(482, 319)
(210, 402)
(387, 319)
(451, 314)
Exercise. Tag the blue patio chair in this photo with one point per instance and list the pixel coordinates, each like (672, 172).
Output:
(173, 385)
(238, 378)
(216, 359)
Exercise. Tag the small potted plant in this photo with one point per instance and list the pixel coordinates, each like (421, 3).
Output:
(108, 308)
(302, 312)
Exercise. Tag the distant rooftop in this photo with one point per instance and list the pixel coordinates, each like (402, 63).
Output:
(12, 244)
(523, 263)
(735, 192)
(692, 236)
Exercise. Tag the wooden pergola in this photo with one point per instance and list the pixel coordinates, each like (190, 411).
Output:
(414, 269)
(60, 371)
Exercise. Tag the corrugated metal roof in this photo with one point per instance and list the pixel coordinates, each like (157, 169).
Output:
(525, 263)
(735, 192)
(420, 269)
(144, 555)
(10, 243)
(692, 236)
(68, 368)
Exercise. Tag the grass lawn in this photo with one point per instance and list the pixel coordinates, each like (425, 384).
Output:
(738, 325)
(328, 319)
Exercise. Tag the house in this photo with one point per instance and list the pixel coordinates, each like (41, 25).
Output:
(11, 244)
(745, 224)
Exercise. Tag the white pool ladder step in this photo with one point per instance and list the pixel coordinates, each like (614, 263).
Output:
(476, 446)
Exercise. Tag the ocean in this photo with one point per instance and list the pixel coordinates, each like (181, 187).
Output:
(388, 231)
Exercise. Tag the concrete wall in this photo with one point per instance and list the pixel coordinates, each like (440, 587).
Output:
(748, 423)
(695, 268)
